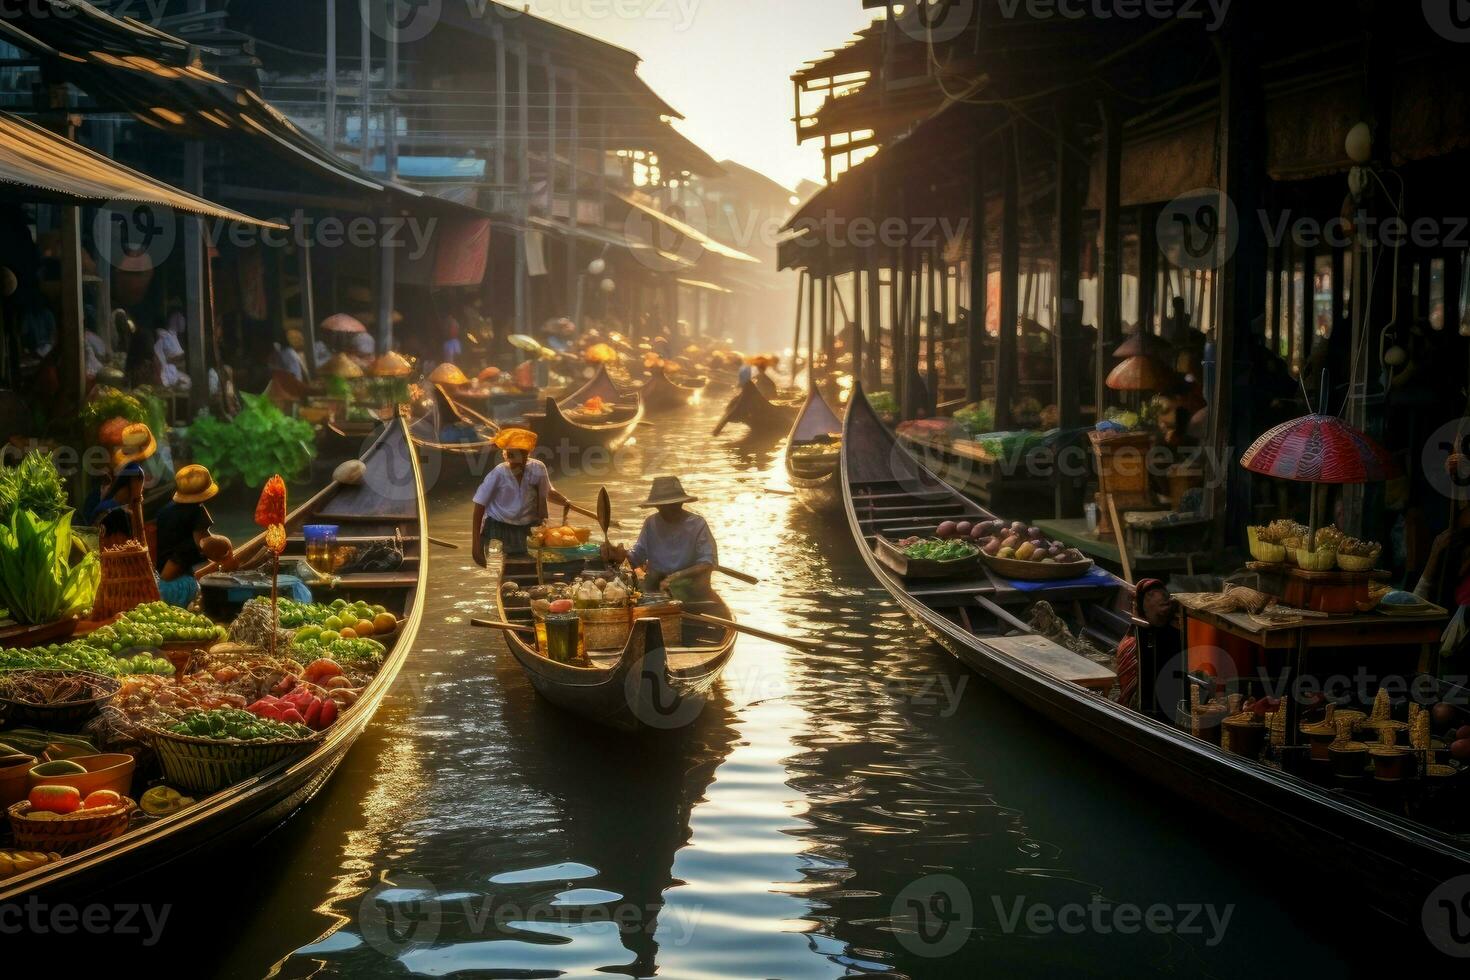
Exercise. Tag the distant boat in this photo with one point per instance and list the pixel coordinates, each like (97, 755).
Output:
(563, 426)
(814, 476)
(759, 414)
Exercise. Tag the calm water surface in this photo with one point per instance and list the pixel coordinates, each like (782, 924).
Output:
(795, 831)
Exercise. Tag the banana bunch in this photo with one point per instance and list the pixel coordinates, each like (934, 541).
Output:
(19, 862)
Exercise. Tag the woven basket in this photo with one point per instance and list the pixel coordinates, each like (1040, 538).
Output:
(606, 629)
(65, 717)
(205, 765)
(127, 581)
(68, 833)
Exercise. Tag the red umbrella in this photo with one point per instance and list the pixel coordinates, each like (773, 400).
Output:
(1318, 449)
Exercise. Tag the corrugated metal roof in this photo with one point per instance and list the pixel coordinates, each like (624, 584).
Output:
(40, 160)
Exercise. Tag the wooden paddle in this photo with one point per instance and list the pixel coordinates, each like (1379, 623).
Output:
(491, 624)
(815, 646)
(738, 576)
(604, 513)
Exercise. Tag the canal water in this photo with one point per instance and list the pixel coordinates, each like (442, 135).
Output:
(831, 814)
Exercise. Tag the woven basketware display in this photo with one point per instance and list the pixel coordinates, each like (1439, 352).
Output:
(63, 716)
(127, 581)
(205, 765)
(69, 832)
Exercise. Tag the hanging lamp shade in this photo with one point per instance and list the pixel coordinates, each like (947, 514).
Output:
(343, 323)
(1319, 449)
(391, 365)
(342, 366)
(1140, 342)
(1142, 372)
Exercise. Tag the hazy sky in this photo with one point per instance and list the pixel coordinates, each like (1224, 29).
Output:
(726, 65)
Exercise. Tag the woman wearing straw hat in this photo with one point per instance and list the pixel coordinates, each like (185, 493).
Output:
(514, 497)
(675, 549)
(119, 513)
(186, 538)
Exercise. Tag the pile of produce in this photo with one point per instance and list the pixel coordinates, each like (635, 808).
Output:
(19, 862)
(152, 625)
(233, 724)
(49, 687)
(1014, 541)
(817, 450)
(299, 705)
(349, 619)
(359, 651)
(65, 800)
(80, 655)
(35, 485)
(560, 536)
(977, 418)
(599, 593)
(161, 801)
(51, 745)
(938, 549)
(255, 625)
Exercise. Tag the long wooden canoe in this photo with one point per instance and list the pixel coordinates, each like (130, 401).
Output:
(389, 501)
(814, 477)
(645, 686)
(662, 393)
(473, 458)
(561, 433)
(1393, 862)
(759, 414)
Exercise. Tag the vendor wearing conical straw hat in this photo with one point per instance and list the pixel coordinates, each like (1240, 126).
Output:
(514, 497)
(186, 537)
(119, 512)
(676, 548)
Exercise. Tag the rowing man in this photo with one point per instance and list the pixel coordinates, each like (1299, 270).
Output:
(675, 548)
(514, 497)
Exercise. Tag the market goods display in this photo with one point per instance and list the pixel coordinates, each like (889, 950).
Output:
(82, 655)
(342, 649)
(163, 801)
(349, 619)
(155, 624)
(938, 549)
(233, 724)
(57, 819)
(54, 698)
(38, 583)
(19, 862)
(1015, 541)
(559, 536)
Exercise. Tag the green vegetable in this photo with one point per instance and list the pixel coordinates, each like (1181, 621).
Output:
(977, 418)
(35, 485)
(78, 655)
(154, 624)
(358, 651)
(258, 442)
(37, 584)
(883, 403)
(933, 549)
(233, 724)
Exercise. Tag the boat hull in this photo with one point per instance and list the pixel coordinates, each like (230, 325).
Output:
(1397, 863)
(756, 412)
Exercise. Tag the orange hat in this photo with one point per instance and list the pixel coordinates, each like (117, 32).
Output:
(522, 439)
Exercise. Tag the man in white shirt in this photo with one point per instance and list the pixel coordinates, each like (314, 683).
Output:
(676, 548)
(514, 496)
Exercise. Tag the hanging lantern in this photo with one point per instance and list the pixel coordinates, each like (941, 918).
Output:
(596, 267)
(607, 286)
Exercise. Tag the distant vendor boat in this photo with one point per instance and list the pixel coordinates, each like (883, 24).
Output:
(661, 393)
(760, 415)
(813, 454)
(565, 428)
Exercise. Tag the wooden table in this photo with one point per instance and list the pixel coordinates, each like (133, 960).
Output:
(1358, 630)
(1074, 533)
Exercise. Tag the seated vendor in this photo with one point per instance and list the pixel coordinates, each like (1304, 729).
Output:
(675, 547)
(118, 514)
(514, 497)
(185, 537)
(1155, 611)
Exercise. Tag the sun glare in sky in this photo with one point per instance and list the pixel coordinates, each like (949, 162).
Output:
(726, 65)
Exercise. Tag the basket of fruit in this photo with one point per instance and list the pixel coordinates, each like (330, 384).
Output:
(156, 625)
(53, 700)
(1024, 553)
(563, 541)
(1265, 544)
(209, 750)
(59, 819)
(1354, 555)
(344, 619)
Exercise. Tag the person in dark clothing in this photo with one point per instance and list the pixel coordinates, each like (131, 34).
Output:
(185, 536)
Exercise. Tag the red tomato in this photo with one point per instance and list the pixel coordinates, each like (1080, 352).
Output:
(55, 799)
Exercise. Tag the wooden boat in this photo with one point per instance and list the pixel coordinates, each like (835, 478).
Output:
(643, 687)
(389, 501)
(474, 457)
(562, 431)
(759, 414)
(1394, 862)
(662, 393)
(814, 478)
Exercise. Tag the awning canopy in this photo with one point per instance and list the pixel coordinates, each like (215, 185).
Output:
(680, 232)
(599, 235)
(706, 286)
(43, 162)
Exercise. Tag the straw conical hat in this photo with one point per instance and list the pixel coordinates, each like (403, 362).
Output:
(342, 366)
(343, 323)
(1140, 342)
(391, 365)
(448, 374)
(1140, 373)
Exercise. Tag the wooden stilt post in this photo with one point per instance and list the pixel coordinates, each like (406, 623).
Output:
(1071, 169)
(1110, 267)
(1010, 269)
(975, 366)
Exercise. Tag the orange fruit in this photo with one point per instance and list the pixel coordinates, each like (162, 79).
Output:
(364, 627)
(348, 633)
